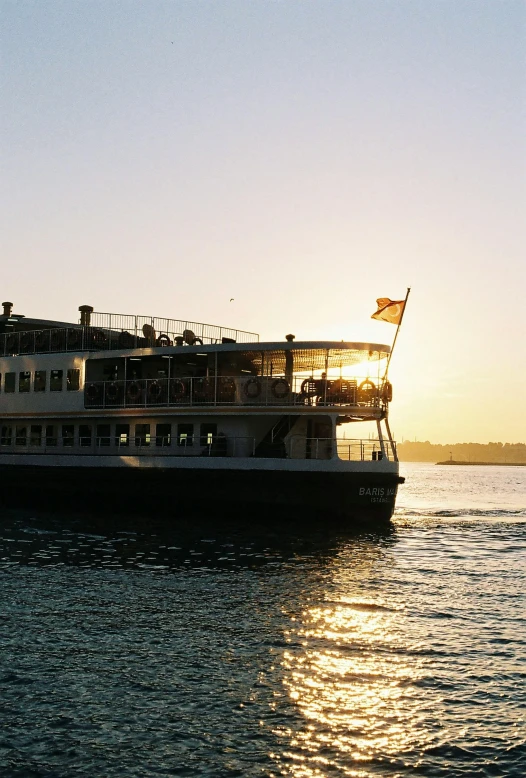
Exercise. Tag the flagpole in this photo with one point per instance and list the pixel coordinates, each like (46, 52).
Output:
(396, 333)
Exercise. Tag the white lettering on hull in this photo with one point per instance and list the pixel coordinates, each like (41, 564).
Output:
(378, 493)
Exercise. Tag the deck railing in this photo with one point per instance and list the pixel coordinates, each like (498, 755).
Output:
(110, 337)
(153, 327)
(296, 447)
(233, 391)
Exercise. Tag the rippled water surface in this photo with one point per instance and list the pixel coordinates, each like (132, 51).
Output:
(149, 651)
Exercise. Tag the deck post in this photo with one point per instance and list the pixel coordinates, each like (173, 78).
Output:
(380, 437)
(391, 441)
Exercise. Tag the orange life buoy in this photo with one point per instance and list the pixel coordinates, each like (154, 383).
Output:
(133, 392)
(387, 394)
(93, 392)
(73, 338)
(154, 390)
(177, 389)
(112, 392)
(226, 389)
(252, 388)
(25, 341)
(42, 340)
(366, 391)
(125, 340)
(308, 387)
(280, 388)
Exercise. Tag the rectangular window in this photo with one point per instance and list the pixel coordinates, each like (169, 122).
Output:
(85, 434)
(24, 381)
(51, 435)
(122, 435)
(73, 380)
(35, 437)
(40, 381)
(10, 382)
(103, 434)
(142, 434)
(68, 434)
(208, 433)
(6, 435)
(185, 435)
(21, 436)
(163, 434)
(55, 380)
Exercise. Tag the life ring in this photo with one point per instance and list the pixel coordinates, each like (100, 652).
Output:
(112, 392)
(98, 338)
(163, 340)
(154, 390)
(308, 387)
(280, 388)
(177, 389)
(387, 394)
(227, 389)
(25, 341)
(42, 340)
(203, 390)
(93, 392)
(366, 390)
(73, 338)
(125, 340)
(11, 344)
(56, 340)
(252, 388)
(133, 392)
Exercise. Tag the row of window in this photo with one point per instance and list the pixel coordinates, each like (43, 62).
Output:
(103, 435)
(40, 382)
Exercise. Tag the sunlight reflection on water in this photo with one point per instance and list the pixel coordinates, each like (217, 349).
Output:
(354, 682)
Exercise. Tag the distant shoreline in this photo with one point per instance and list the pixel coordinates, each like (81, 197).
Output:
(486, 464)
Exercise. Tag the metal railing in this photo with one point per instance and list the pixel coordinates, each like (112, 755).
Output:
(106, 338)
(349, 450)
(153, 327)
(234, 391)
(131, 445)
(296, 447)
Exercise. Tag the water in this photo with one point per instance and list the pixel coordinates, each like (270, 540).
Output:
(198, 652)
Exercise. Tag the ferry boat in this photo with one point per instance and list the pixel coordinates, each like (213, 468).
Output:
(118, 412)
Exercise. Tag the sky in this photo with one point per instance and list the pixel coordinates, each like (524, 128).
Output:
(304, 158)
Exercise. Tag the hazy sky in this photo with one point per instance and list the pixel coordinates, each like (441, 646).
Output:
(303, 158)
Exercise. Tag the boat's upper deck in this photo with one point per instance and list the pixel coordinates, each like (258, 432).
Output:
(108, 331)
(146, 335)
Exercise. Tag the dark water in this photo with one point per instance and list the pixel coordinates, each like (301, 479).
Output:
(199, 652)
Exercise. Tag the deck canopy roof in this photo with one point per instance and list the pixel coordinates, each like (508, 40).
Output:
(311, 356)
(306, 356)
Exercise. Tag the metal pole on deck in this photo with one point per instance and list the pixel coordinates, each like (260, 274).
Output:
(391, 441)
(326, 377)
(380, 437)
(215, 378)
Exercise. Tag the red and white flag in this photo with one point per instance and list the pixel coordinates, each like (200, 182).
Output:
(389, 310)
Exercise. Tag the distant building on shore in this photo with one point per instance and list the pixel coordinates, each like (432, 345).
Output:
(497, 453)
